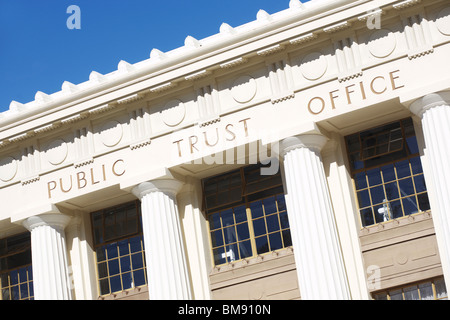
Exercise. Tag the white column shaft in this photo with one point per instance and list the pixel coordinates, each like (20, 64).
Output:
(168, 278)
(435, 113)
(318, 255)
(49, 258)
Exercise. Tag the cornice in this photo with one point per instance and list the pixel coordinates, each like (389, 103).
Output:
(194, 52)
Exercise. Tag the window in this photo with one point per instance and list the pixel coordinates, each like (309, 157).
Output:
(119, 248)
(246, 213)
(387, 172)
(16, 277)
(429, 290)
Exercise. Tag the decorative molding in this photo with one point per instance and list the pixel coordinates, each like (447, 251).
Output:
(209, 122)
(103, 108)
(197, 75)
(75, 118)
(303, 39)
(374, 13)
(30, 180)
(233, 63)
(337, 27)
(270, 50)
(140, 144)
(84, 162)
(405, 4)
(283, 97)
(163, 87)
(419, 53)
(130, 98)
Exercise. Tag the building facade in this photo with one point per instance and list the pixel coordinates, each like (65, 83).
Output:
(300, 156)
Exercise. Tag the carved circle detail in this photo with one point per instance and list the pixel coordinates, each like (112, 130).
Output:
(314, 66)
(244, 89)
(56, 152)
(111, 133)
(173, 113)
(8, 168)
(402, 258)
(382, 43)
(443, 21)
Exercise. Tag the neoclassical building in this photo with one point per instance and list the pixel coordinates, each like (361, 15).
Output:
(303, 155)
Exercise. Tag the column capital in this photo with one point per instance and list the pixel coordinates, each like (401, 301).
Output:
(57, 221)
(421, 105)
(313, 142)
(167, 186)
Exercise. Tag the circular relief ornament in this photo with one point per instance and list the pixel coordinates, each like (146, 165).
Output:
(173, 113)
(381, 43)
(111, 133)
(244, 89)
(8, 168)
(56, 151)
(443, 21)
(313, 66)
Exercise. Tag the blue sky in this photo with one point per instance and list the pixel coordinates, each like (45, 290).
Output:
(38, 52)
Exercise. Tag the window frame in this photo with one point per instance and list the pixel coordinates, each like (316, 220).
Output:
(402, 289)
(245, 202)
(401, 198)
(127, 236)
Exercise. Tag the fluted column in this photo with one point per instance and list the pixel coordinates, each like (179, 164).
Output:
(434, 111)
(49, 256)
(318, 256)
(168, 277)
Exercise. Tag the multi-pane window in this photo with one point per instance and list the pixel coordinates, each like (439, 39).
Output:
(387, 172)
(429, 290)
(246, 213)
(16, 277)
(119, 248)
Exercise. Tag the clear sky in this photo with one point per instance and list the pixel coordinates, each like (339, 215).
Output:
(38, 52)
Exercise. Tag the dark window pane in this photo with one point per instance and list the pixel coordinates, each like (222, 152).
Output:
(127, 281)
(363, 199)
(424, 204)
(102, 270)
(402, 168)
(367, 217)
(391, 191)
(396, 209)
(360, 180)
(217, 238)
(101, 254)
(123, 247)
(125, 264)
(245, 249)
(269, 205)
(275, 241)
(406, 187)
(416, 165)
(262, 245)
(377, 194)
(136, 261)
(240, 214)
(259, 227)
(219, 256)
(284, 220)
(214, 221)
(272, 223)
(139, 278)
(116, 284)
(113, 266)
(287, 238)
(256, 209)
(412, 145)
(388, 173)
(229, 235)
(111, 250)
(410, 205)
(374, 177)
(419, 182)
(281, 203)
(227, 217)
(243, 232)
